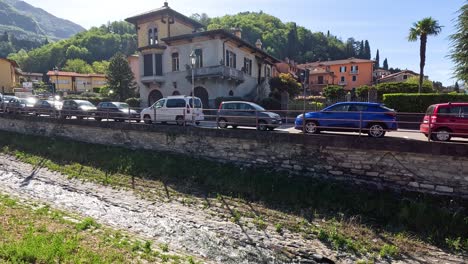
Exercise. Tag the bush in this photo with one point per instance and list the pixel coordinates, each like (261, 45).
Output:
(418, 103)
(334, 92)
(393, 88)
(219, 100)
(298, 104)
(133, 102)
(270, 104)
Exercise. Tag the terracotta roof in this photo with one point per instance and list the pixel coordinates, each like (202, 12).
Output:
(32, 74)
(74, 74)
(398, 73)
(226, 34)
(163, 10)
(335, 62)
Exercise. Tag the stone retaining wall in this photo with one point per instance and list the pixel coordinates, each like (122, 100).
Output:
(390, 162)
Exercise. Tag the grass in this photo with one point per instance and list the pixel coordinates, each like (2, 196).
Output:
(31, 234)
(436, 220)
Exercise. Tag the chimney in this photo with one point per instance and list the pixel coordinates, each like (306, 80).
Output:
(259, 44)
(166, 4)
(237, 32)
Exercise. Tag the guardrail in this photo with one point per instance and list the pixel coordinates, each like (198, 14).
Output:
(432, 126)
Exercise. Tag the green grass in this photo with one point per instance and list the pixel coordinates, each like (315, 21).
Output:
(388, 251)
(39, 235)
(436, 220)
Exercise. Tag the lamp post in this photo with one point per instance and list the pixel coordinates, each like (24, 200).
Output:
(193, 61)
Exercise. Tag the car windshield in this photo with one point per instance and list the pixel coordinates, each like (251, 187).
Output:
(122, 105)
(198, 103)
(85, 103)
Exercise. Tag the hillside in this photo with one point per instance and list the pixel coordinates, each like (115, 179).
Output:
(25, 21)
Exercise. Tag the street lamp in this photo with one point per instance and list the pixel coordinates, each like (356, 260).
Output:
(193, 61)
(56, 71)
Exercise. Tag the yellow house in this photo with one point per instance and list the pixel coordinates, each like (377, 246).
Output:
(76, 82)
(9, 75)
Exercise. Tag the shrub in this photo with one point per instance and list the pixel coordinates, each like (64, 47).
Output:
(298, 104)
(392, 88)
(219, 100)
(133, 102)
(418, 103)
(334, 92)
(270, 104)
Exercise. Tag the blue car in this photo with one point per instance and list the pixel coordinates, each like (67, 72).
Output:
(372, 118)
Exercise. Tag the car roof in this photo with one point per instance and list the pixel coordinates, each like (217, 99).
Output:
(455, 104)
(237, 102)
(358, 103)
(180, 97)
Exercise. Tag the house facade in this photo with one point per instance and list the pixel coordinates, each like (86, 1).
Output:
(76, 82)
(402, 76)
(350, 73)
(9, 75)
(225, 64)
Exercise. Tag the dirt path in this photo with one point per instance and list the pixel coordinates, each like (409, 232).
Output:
(186, 229)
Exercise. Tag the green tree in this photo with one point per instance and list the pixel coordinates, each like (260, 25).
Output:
(120, 78)
(367, 50)
(203, 18)
(100, 67)
(292, 44)
(377, 60)
(385, 64)
(456, 88)
(78, 65)
(285, 82)
(334, 92)
(422, 29)
(459, 51)
(74, 52)
(427, 84)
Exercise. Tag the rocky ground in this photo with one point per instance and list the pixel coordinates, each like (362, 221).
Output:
(188, 227)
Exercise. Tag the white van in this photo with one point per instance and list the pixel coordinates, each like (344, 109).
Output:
(176, 109)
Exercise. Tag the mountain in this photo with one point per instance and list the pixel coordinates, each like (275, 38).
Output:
(25, 21)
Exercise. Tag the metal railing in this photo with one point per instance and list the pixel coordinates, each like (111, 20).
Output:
(440, 127)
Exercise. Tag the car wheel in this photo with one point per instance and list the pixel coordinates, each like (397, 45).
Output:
(271, 128)
(222, 123)
(147, 119)
(376, 131)
(262, 125)
(234, 126)
(98, 119)
(311, 127)
(442, 134)
(79, 117)
(180, 120)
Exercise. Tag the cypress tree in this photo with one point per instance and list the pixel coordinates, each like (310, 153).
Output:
(367, 50)
(120, 77)
(377, 60)
(385, 64)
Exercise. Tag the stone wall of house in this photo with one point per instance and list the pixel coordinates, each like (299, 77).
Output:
(385, 163)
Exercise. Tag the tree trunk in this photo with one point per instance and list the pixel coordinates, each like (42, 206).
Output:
(423, 60)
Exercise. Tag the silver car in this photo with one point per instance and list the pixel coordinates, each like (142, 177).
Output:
(240, 113)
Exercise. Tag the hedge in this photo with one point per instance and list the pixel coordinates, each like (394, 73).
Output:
(418, 103)
(392, 88)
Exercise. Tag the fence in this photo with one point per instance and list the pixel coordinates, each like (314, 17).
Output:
(374, 123)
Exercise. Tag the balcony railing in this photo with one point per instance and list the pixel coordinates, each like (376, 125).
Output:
(355, 72)
(220, 71)
(153, 79)
(342, 83)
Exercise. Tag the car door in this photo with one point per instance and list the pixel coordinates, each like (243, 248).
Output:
(334, 116)
(228, 111)
(158, 110)
(464, 121)
(357, 116)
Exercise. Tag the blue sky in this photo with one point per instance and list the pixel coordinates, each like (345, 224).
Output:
(385, 23)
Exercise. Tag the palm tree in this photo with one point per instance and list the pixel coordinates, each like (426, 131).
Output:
(423, 29)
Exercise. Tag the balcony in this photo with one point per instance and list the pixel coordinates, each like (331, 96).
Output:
(153, 79)
(343, 83)
(355, 72)
(221, 71)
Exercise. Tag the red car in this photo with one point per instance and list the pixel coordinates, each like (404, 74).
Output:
(444, 121)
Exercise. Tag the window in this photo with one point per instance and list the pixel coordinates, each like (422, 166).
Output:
(354, 68)
(148, 65)
(320, 80)
(343, 79)
(354, 78)
(357, 108)
(405, 77)
(175, 61)
(464, 113)
(248, 66)
(231, 59)
(159, 69)
(450, 111)
(153, 36)
(159, 104)
(343, 69)
(338, 108)
(268, 71)
(199, 60)
(175, 103)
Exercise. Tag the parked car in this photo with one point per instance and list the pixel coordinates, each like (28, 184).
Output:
(117, 111)
(372, 118)
(20, 105)
(240, 113)
(78, 108)
(47, 107)
(445, 121)
(4, 101)
(178, 109)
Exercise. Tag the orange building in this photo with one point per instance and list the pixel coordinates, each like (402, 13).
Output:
(350, 73)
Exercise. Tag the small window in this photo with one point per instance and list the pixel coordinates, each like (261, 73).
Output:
(343, 79)
(405, 77)
(338, 108)
(450, 111)
(175, 61)
(175, 103)
(357, 108)
(354, 68)
(231, 59)
(229, 106)
(148, 65)
(343, 69)
(248, 66)
(354, 78)
(199, 60)
(159, 104)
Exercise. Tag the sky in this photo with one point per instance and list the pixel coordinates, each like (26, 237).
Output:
(385, 23)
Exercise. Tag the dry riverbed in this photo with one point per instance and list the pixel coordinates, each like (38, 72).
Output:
(214, 230)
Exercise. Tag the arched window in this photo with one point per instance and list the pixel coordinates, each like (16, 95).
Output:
(150, 37)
